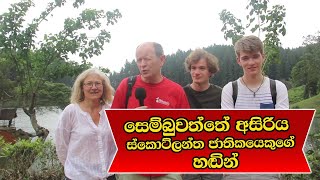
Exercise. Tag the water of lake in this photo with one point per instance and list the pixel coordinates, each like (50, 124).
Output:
(47, 117)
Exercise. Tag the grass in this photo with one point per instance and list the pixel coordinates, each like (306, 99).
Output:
(297, 102)
(311, 103)
(296, 94)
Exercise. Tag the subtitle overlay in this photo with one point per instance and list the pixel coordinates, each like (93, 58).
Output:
(186, 141)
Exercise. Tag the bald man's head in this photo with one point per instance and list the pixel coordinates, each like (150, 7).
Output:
(156, 46)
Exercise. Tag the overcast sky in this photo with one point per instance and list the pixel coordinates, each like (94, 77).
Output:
(176, 24)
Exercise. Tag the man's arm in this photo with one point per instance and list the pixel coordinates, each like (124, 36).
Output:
(282, 96)
(226, 97)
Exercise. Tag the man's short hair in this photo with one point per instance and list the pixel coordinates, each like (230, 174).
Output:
(197, 54)
(158, 49)
(248, 44)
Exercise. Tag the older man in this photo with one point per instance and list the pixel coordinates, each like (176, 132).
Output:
(160, 93)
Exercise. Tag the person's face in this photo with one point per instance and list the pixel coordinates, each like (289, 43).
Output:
(92, 87)
(148, 63)
(200, 72)
(251, 62)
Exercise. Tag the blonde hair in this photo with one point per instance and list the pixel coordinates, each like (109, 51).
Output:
(248, 44)
(197, 54)
(77, 94)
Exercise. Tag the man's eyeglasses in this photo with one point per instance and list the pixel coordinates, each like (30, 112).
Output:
(90, 84)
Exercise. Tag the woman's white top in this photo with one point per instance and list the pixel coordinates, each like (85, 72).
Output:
(85, 149)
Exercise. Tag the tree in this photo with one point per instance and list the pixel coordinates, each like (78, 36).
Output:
(229, 69)
(261, 19)
(7, 84)
(37, 63)
(307, 70)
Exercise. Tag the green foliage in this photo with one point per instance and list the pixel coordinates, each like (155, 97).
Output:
(313, 154)
(299, 73)
(60, 69)
(229, 69)
(289, 58)
(47, 165)
(313, 157)
(129, 69)
(232, 27)
(307, 70)
(261, 18)
(36, 63)
(28, 159)
(296, 95)
(7, 85)
(104, 70)
(313, 102)
(2, 142)
(275, 26)
(54, 94)
(174, 67)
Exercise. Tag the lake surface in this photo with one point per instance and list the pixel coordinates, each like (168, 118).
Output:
(47, 117)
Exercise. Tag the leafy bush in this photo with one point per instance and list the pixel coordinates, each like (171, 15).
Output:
(296, 94)
(313, 157)
(27, 159)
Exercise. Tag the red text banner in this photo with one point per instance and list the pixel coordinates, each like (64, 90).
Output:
(185, 141)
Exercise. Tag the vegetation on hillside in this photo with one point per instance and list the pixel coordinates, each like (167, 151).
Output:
(296, 94)
(310, 103)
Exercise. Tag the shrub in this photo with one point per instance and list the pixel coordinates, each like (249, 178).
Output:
(313, 156)
(27, 159)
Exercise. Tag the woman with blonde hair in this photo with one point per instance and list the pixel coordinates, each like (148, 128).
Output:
(84, 142)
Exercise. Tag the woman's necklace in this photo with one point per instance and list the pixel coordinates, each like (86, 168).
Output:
(254, 92)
